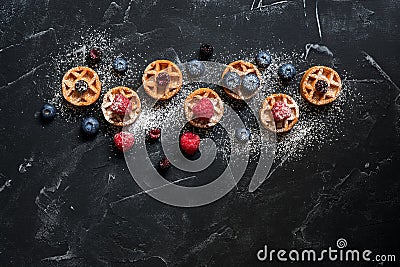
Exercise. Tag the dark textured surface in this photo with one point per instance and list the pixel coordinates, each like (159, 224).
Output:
(62, 210)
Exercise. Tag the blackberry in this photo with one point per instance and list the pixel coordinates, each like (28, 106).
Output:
(163, 79)
(321, 86)
(94, 56)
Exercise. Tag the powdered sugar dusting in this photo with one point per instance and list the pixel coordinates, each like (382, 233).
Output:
(316, 126)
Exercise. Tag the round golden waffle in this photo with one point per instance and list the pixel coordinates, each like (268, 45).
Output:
(117, 119)
(71, 93)
(194, 98)
(242, 68)
(266, 116)
(162, 92)
(320, 73)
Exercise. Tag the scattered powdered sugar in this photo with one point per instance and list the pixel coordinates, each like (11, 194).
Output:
(74, 54)
(316, 126)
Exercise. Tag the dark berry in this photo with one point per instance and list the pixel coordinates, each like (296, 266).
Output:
(251, 83)
(321, 86)
(287, 72)
(124, 141)
(204, 109)
(281, 111)
(195, 68)
(231, 80)
(243, 134)
(263, 59)
(81, 86)
(90, 126)
(189, 142)
(206, 51)
(155, 133)
(120, 104)
(48, 112)
(94, 56)
(120, 65)
(164, 164)
(163, 79)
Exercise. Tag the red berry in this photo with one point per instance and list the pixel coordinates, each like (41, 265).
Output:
(281, 111)
(204, 109)
(164, 164)
(155, 133)
(124, 141)
(190, 143)
(120, 104)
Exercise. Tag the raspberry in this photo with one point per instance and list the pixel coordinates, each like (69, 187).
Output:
(155, 133)
(321, 86)
(204, 109)
(281, 111)
(164, 164)
(120, 104)
(190, 143)
(163, 79)
(124, 141)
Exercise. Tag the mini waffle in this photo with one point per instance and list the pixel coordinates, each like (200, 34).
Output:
(242, 68)
(162, 92)
(267, 119)
(320, 73)
(117, 119)
(72, 94)
(194, 98)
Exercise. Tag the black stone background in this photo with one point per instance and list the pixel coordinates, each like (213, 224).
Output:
(330, 193)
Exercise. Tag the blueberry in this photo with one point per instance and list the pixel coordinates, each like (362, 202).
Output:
(48, 112)
(231, 80)
(195, 68)
(287, 72)
(243, 134)
(206, 51)
(251, 83)
(90, 126)
(120, 64)
(263, 59)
